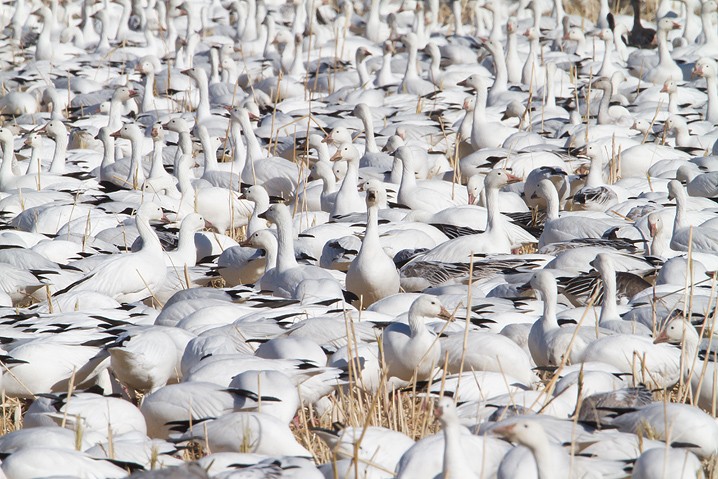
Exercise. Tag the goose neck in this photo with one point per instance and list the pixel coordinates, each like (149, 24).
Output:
(604, 115)
(136, 174)
(203, 111)
(712, 106)
(57, 166)
(158, 167)
(492, 207)
(595, 173)
(239, 151)
(150, 241)
(609, 310)
(552, 205)
(371, 243)
(549, 296)
(7, 157)
(368, 122)
(501, 74)
(34, 167)
(454, 457)
(148, 97)
(664, 54)
(285, 246)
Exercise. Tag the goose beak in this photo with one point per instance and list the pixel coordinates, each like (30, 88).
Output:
(263, 216)
(463, 83)
(245, 244)
(208, 224)
(513, 179)
(652, 228)
(697, 70)
(661, 338)
(133, 93)
(472, 199)
(253, 117)
(328, 139)
(228, 107)
(505, 431)
(445, 314)
(185, 72)
(664, 89)
(336, 156)
(676, 25)
(116, 134)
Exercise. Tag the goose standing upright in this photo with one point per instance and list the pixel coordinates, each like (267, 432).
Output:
(372, 275)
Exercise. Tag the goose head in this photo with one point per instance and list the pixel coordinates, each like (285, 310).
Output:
(515, 109)
(257, 193)
(671, 86)
(602, 84)
(426, 306)
(338, 136)
(150, 211)
(157, 132)
(667, 24)
(603, 263)
(524, 431)
(676, 331)
(362, 111)
(196, 74)
(123, 93)
(546, 189)
(542, 282)
(6, 138)
(474, 187)
(321, 170)
(392, 144)
(687, 172)
(373, 196)
(445, 411)
(532, 34)
(606, 35)
(705, 67)
(474, 81)
(55, 129)
(675, 122)
(178, 125)
(145, 66)
(33, 140)
(675, 189)
(129, 131)
(262, 239)
(278, 213)
(499, 178)
(512, 25)
(655, 223)
(574, 34)
(193, 222)
(347, 152)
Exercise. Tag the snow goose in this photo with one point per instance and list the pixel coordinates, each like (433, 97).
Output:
(493, 240)
(567, 227)
(698, 361)
(701, 239)
(144, 360)
(347, 199)
(412, 83)
(412, 350)
(245, 264)
(667, 462)
(609, 317)
(674, 423)
(248, 432)
(666, 69)
(550, 458)
(133, 276)
(49, 461)
(708, 69)
(377, 445)
(224, 209)
(455, 462)
(283, 279)
(372, 275)
(484, 134)
(548, 342)
(279, 176)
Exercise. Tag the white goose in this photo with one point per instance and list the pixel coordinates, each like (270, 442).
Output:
(372, 275)
(284, 279)
(412, 350)
(493, 240)
(702, 239)
(133, 276)
(455, 462)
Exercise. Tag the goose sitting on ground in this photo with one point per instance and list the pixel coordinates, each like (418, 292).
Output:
(412, 350)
